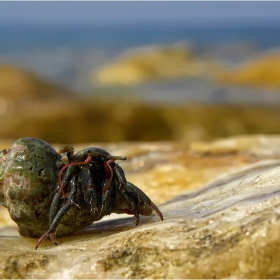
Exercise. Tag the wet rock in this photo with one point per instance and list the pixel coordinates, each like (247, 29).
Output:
(226, 227)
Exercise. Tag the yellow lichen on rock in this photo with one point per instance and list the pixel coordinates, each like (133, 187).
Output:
(263, 70)
(179, 61)
(17, 85)
(153, 64)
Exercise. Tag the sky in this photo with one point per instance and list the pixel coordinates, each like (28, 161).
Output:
(195, 12)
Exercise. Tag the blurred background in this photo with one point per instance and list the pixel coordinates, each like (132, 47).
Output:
(73, 72)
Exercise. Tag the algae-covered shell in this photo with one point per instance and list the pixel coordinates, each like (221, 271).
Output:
(28, 180)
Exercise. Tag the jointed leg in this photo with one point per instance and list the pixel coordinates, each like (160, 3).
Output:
(55, 205)
(107, 199)
(60, 214)
(87, 187)
(143, 198)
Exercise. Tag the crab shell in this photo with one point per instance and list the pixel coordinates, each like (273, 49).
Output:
(29, 172)
(28, 182)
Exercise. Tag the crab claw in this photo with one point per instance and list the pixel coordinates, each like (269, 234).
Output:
(49, 233)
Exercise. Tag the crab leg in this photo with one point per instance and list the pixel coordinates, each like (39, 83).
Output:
(60, 214)
(143, 198)
(87, 161)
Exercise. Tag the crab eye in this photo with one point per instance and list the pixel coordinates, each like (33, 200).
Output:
(88, 151)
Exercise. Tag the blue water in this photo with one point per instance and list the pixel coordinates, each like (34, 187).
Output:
(67, 54)
(15, 38)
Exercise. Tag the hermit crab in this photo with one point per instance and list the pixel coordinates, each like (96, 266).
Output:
(51, 193)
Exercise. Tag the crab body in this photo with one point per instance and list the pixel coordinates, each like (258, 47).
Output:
(47, 195)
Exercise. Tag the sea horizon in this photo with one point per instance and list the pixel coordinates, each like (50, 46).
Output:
(66, 53)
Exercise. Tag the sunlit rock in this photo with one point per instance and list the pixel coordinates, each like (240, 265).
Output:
(261, 70)
(227, 226)
(154, 63)
(18, 85)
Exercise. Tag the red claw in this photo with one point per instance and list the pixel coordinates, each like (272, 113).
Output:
(48, 233)
(156, 210)
(87, 161)
(108, 169)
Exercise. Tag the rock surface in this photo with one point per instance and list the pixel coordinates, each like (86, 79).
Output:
(18, 85)
(155, 63)
(227, 226)
(120, 120)
(261, 70)
(30, 106)
(182, 61)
